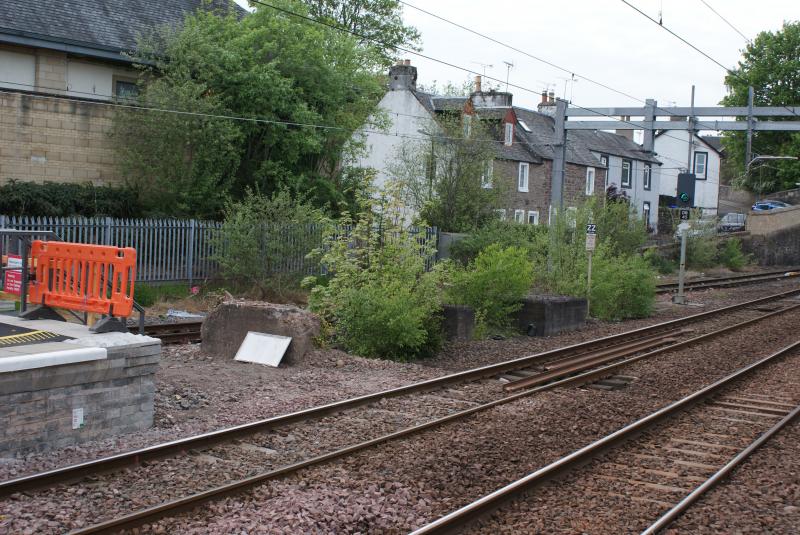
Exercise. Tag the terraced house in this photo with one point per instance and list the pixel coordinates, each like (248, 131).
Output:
(524, 150)
(60, 62)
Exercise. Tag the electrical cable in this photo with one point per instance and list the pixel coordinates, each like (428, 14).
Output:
(734, 28)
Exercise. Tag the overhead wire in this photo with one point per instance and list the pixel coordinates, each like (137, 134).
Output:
(726, 21)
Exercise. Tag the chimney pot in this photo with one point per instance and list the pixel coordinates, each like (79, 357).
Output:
(407, 62)
(551, 97)
(478, 83)
(544, 97)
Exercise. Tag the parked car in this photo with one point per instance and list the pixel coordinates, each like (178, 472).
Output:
(768, 204)
(732, 222)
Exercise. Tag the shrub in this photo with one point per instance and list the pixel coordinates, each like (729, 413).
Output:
(148, 295)
(261, 235)
(731, 255)
(493, 284)
(701, 251)
(623, 286)
(53, 199)
(531, 238)
(663, 265)
(378, 300)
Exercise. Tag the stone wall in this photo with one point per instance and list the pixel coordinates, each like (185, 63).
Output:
(116, 395)
(539, 178)
(780, 248)
(770, 221)
(46, 139)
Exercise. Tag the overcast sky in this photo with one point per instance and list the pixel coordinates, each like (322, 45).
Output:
(604, 40)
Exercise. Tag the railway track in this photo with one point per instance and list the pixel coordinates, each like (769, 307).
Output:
(447, 397)
(727, 282)
(666, 460)
(184, 332)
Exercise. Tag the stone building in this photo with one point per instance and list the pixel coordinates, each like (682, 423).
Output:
(60, 64)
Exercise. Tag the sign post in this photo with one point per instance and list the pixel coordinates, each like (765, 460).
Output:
(591, 242)
(683, 228)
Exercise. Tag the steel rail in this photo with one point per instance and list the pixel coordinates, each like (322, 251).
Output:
(598, 373)
(458, 519)
(186, 503)
(668, 517)
(723, 282)
(182, 445)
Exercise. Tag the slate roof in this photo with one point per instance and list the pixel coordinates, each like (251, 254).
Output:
(108, 25)
(613, 144)
(715, 142)
(538, 144)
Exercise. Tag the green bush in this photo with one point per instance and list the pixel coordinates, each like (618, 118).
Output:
(701, 251)
(731, 255)
(531, 238)
(261, 235)
(623, 286)
(663, 265)
(493, 284)
(378, 300)
(53, 199)
(148, 295)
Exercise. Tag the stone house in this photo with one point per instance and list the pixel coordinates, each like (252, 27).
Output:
(524, 149)
(59, 63)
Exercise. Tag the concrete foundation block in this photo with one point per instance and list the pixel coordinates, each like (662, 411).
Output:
(458, 322)
(549, 315)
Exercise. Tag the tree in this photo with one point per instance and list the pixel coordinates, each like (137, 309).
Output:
(279, 76)
(771, 64)
(447, 178)
(379, 21)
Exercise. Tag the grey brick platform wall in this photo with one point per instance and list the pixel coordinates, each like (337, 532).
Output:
(116, 395)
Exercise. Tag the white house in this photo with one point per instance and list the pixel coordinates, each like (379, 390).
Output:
(673, 150)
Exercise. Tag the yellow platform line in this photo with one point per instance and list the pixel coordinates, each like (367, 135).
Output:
(25, 337)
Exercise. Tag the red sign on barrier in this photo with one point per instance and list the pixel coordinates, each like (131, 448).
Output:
(12, 283)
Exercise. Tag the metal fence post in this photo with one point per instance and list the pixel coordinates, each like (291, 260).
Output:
(107, 231)
(190, 252)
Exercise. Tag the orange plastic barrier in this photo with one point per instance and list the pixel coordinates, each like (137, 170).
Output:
(87, 278)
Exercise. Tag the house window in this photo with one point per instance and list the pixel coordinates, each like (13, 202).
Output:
(533, 217)
(486, 177)
(626, 173)
(509, 137)
(501, 214)
(524, 126)
(522, 182)
(572, 216)
(604, 163)
(590, 173)
(646, 213)
(467, 125)
(648, 169)
(126, 90)
(519, 216)
(700, 165)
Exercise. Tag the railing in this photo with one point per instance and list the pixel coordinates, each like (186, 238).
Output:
(179, 250)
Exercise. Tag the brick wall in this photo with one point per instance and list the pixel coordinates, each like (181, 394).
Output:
(44, 139)
(539, 178)
(770, 221)
(116, 395)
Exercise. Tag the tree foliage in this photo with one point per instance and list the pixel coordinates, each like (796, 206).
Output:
(280, 75)
(380, 22)
(771, 64)
(443, 176)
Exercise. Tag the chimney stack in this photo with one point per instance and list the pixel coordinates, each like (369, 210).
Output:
(625, 132)
(403, 76)
(478, 83)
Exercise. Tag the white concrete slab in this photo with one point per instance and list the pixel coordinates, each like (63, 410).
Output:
(56, 354)
(262, 348)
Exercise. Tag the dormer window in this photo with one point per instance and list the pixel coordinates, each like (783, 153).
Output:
(509, 137)
(467, 125)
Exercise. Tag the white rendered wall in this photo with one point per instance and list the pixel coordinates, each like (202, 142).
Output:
(17, 70)
(406, 117)
(89, 80)
(636, 192)
(674, 153)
